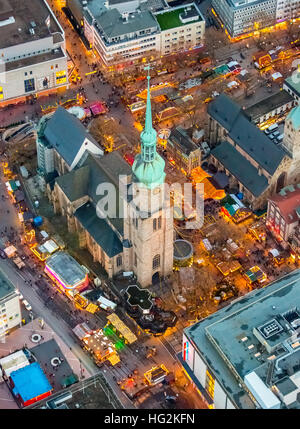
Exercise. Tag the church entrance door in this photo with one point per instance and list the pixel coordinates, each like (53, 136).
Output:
(155, 278)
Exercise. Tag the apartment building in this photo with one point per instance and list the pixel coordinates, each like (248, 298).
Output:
(181, 28)
(283, 213)
(10, 309)
(128, 31)
(245, 16)
(246, 355)
(33, 58)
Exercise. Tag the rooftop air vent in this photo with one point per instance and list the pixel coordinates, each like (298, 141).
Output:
(270, 328)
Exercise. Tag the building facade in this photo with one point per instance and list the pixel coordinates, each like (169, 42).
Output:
(32, 52)
(271, 108)
(242, 17)
(244, 356)
(282, 215)
(10, 308)
(124, 32)
(183, 151)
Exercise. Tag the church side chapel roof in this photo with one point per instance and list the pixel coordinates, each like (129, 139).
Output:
(99, 229)
(64, 132)
(245, 134)
(75, 184)
(240, 168)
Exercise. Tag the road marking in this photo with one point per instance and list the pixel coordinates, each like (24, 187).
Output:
(20, 275)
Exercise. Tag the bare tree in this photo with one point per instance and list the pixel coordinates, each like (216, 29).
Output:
(215, 40)
(22, 152)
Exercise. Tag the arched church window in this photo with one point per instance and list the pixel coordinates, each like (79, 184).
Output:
(156, 262)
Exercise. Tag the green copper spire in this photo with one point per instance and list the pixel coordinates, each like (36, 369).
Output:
(148, 167)
(148, 121)
(148, 135)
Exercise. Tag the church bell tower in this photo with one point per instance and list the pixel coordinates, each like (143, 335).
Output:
(150, 220)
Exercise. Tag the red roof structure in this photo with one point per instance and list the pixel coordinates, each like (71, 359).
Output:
(97, 108)
(288, 203)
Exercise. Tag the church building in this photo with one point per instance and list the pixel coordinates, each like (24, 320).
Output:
(136, 234)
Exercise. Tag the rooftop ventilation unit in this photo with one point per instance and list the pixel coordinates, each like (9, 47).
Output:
(33, 24)
(31, 31)
(270, 328)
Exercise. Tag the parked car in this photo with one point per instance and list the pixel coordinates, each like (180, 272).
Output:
(27, 305)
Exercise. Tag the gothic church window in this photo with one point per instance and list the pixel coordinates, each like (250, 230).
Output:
(156, 262)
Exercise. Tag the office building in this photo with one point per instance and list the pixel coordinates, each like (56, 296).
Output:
(33, 59)
(124, 32)
(245, 17)
(246, 355)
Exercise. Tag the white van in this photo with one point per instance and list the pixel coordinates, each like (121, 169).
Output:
(27, 305)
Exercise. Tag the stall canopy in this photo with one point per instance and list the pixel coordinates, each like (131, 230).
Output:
(97, 108)
(122, 328)
(210, 186)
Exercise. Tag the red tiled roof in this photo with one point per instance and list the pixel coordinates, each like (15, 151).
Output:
(287, 204)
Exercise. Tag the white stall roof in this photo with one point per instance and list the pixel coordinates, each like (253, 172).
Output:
(13, 362)
(264, 396)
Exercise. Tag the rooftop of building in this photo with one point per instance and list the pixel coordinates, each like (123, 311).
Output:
(171, 18)
(69, 271)
(288, 202)
(44, 353)
(30, 382)
(249, 333)
(34, 59)
(237, 4)
(268, 105)
(240, 168)
(139, 297)
(6, 287)
(293, 82)
(180, 137)
(245, 134)
(99, 229)
(84, 181)
(22, 16)
(114, 25)
(65, 133)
